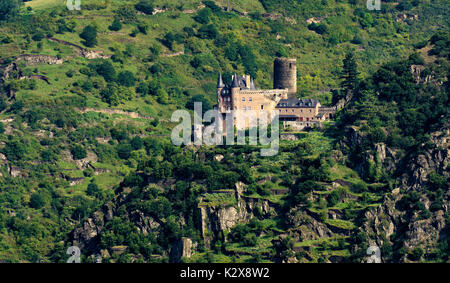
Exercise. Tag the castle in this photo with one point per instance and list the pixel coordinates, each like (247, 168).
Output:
(298, 114)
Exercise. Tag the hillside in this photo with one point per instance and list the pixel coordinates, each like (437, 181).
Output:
(86, 98)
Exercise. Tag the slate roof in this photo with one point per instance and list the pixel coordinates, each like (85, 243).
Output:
(297, 103)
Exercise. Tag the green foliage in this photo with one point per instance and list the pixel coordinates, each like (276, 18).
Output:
(116, 25)
(89, 35)
(126, 78)
(107, 70)
(14, 150)
(9, 8)
(78, 152)
(145, 6)
(349, 72)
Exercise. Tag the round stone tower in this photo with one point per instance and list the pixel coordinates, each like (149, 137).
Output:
(285, 75)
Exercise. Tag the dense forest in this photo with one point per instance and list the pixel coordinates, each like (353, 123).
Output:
(86, 159)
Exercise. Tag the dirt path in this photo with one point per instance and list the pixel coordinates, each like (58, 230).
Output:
(130, 114)
(133, 115)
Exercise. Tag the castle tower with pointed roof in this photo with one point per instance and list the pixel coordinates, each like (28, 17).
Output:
(242, 94)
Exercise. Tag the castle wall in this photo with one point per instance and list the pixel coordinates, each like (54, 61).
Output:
(303, 113)
(285, 75)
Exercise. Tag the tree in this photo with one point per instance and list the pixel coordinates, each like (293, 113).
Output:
(89, 35)
(203, 16)
(145, 6)
(106, 69)
(14, 151)
(136, 143)
(78, 152)
(169, 40)
(163, 96)
(208, 32)
(94, 190)
(124, 150)
(9, 8)
(349, 72)
(37, 201)
(116, 25)
(126, 78)
(206, 105)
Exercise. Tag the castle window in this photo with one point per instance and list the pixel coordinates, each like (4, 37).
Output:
(249, 108)
(244, 108)
(250, 99)
(243, 98)
(262, 107)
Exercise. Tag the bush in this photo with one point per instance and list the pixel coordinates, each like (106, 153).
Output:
(37, 201)
(93, 190)
(124, 150)
(9, 8)
(137, 143)
(359, 187)
(78, 152)
(126, 14)
(107, 71)
(250, 240)
(416, 254)
(38, 36)
(145, 6)
(14, 151)
(126, 78)
(142, 88)
(116, 25)
(203, 16)
(208, 32)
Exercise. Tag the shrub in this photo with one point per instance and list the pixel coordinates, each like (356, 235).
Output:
(145, 6)
(14, 151)
(203, 16)
(416, 254)
(106, 69)
(78, 152)
(126, 78)
(9, 8)
(136, 143)
(93, 190)
(37, 201)
(124, 150)
(116, 25)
